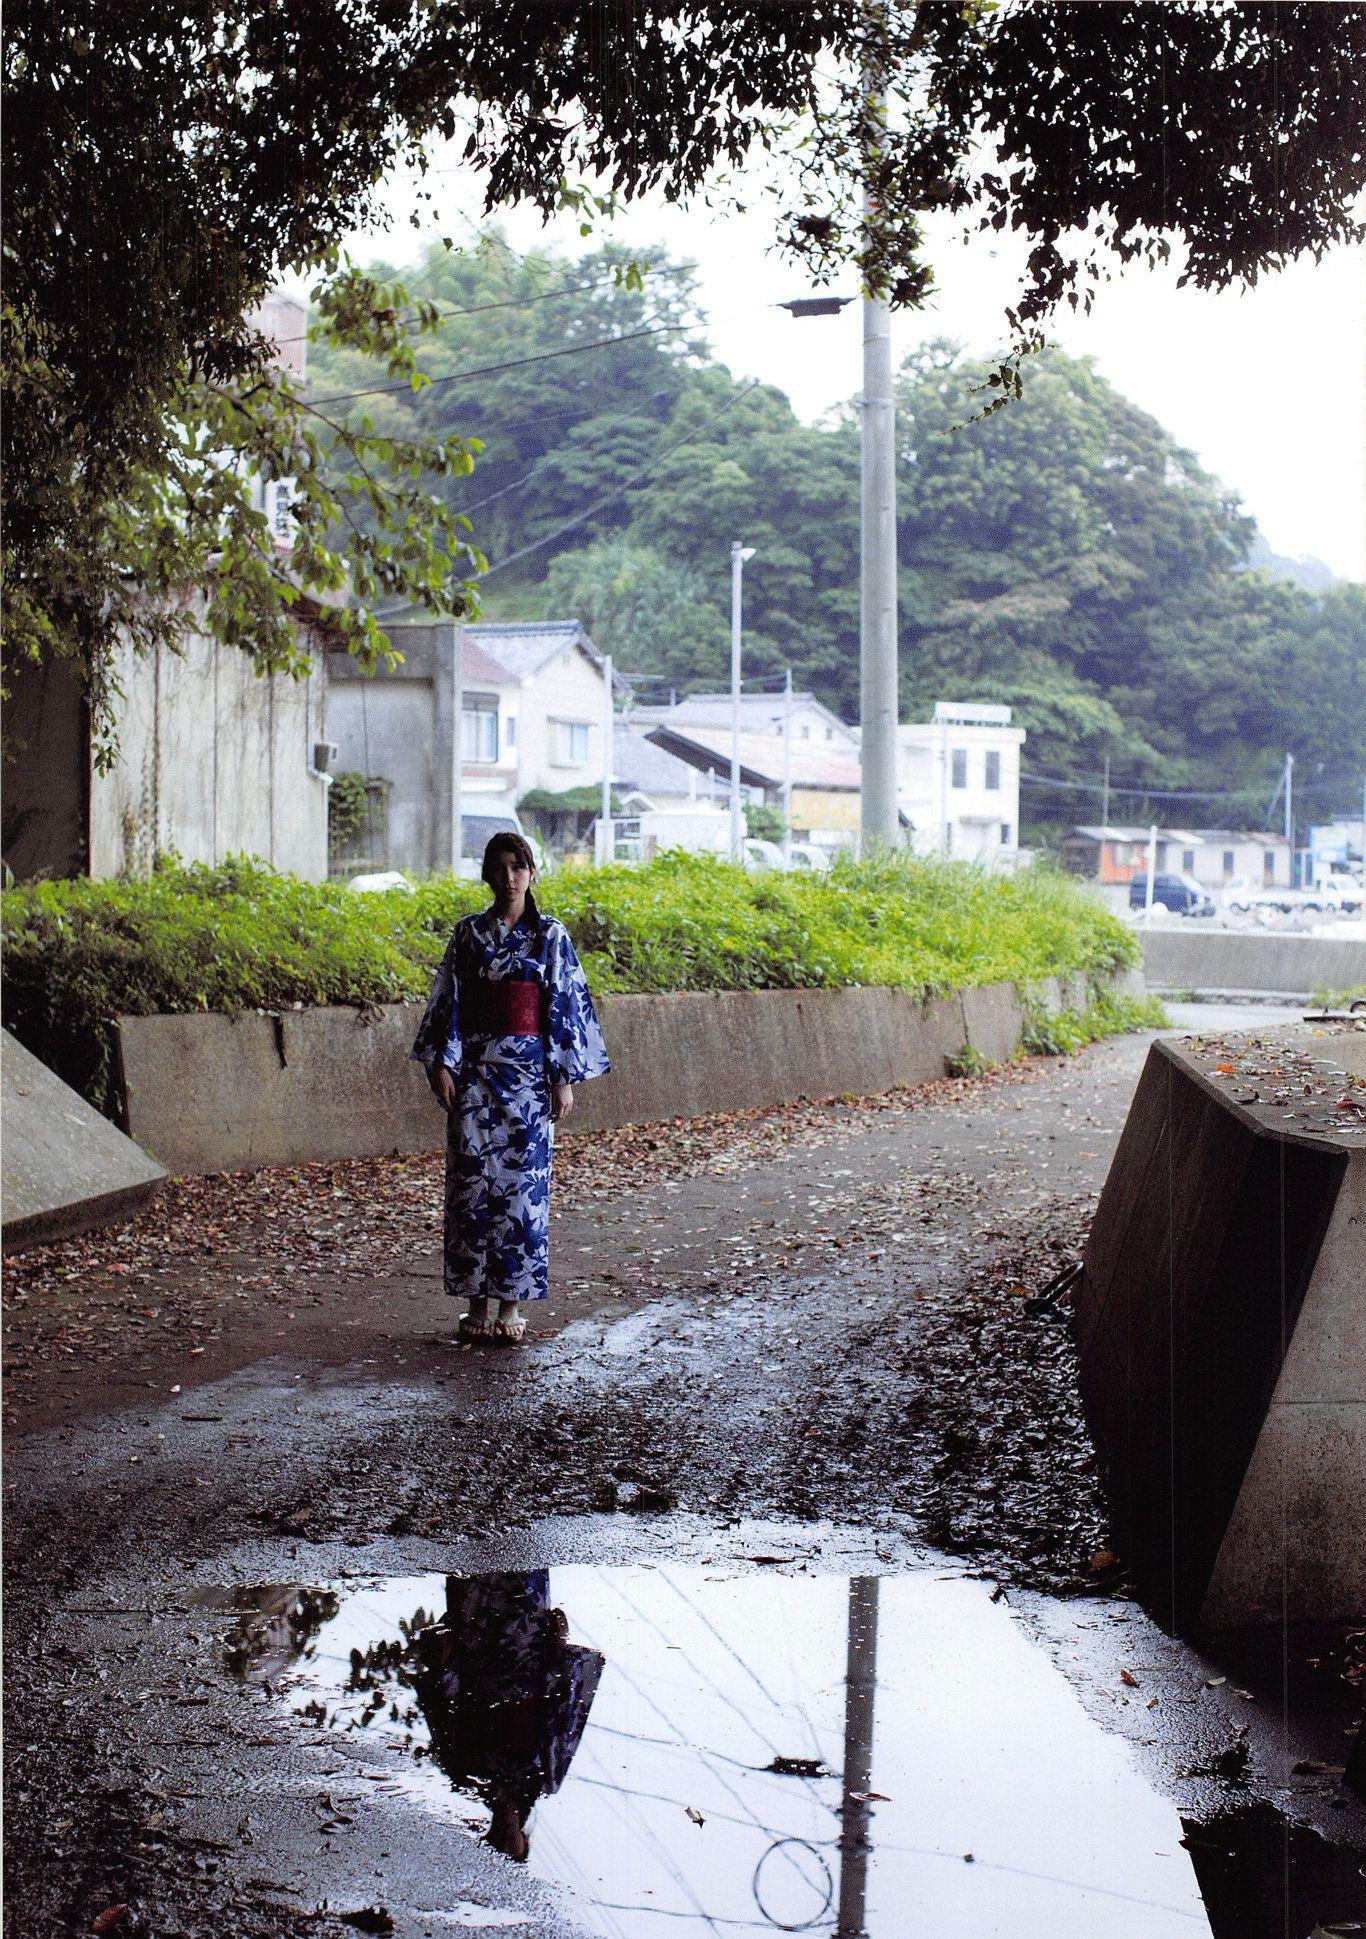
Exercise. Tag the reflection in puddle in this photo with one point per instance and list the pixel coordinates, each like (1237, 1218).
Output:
(694, 1753)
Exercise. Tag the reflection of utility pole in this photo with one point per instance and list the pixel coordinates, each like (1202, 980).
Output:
(860, 1688)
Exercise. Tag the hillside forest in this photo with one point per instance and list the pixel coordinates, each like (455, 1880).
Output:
(1062, 554)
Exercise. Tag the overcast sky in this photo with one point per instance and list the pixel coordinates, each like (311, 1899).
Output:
(1267, 386)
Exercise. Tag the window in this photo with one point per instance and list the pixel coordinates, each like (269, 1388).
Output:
(806, 733)
(1228, 863)
(1268, 869)
(1005, 834)
(571, 743)
(830, 733)
(511, 730)
(479, 727)
(993, 768)
(1188, 860)
(960, 767)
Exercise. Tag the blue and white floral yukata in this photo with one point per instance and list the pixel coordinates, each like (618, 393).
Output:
(499, 1135)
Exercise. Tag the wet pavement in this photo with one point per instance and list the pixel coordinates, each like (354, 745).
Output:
(785, 1352)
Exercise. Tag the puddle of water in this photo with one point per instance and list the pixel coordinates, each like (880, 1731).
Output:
(688, 1751)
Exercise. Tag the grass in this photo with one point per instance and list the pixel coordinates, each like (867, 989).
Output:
(78, 953)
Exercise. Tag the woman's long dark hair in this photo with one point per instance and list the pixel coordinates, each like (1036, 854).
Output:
(508, 842)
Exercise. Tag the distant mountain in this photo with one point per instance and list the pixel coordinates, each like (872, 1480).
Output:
(1308, 572)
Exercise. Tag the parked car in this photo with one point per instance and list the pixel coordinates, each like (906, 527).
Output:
(482, 817)
(1179, 893)
(1337, 891)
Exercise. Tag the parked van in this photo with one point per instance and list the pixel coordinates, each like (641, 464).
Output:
(1179, 893)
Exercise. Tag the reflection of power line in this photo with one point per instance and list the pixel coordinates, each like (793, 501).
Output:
(571, 1868)
(731, 1651)
(668, 1862)
(720, 1756)
(788, 1925)
(698, 1750)
(697, 1670)
(665, 1912)
(662, 1797)
(1048, 1878)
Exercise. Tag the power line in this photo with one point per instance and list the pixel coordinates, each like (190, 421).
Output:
(636, 478)
(1251, 792)
(1147, 794)
(479, 309)
(513, 363)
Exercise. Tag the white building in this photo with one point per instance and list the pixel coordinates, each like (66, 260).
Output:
(958, 782)
(1213, 857)
(531, 721)
(814, 726)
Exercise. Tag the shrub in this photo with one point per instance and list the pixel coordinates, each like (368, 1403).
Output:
(241, 936)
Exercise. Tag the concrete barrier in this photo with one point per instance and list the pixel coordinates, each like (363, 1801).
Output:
(1221, 1326)
(216, 1093)
(1195, 958)
(65, 1168)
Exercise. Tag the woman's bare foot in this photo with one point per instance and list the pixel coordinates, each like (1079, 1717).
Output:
(474, 1325)
(509, 1325)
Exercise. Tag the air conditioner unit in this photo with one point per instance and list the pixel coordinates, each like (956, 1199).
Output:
(324, 754)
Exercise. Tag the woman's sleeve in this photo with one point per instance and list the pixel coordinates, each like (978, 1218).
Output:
(438, 1035)
(575, 1050)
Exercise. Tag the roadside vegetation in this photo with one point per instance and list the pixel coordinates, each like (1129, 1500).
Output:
(241, 937)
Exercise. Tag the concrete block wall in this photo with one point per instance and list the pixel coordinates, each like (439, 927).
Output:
(1223, 1364)
(216, 1093)
(213, 760)
(1196, 958)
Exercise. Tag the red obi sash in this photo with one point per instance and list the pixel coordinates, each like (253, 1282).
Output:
(501, 1009)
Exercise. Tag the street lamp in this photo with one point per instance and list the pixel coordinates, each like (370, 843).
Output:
(880, 821)
(738, 554)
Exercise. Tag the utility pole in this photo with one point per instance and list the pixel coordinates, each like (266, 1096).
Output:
(1152, 875)
(607, 841)
(738, 554)
(860, 1690)
(877, 587)
(1105, 797)
(1290, 812)
(787, 769)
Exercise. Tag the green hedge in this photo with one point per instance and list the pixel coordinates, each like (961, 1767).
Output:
(242, 936)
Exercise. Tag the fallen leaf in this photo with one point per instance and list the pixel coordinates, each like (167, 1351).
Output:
(696, 1816)
(1127, 1676)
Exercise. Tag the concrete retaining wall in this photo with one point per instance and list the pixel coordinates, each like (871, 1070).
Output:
(65, 1168)
(214, 1093)
(1195, 958)
(1222, 1332)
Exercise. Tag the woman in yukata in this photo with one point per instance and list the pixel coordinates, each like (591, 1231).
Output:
(508, 1032)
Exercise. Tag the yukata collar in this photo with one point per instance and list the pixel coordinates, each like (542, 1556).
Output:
(530, 918)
